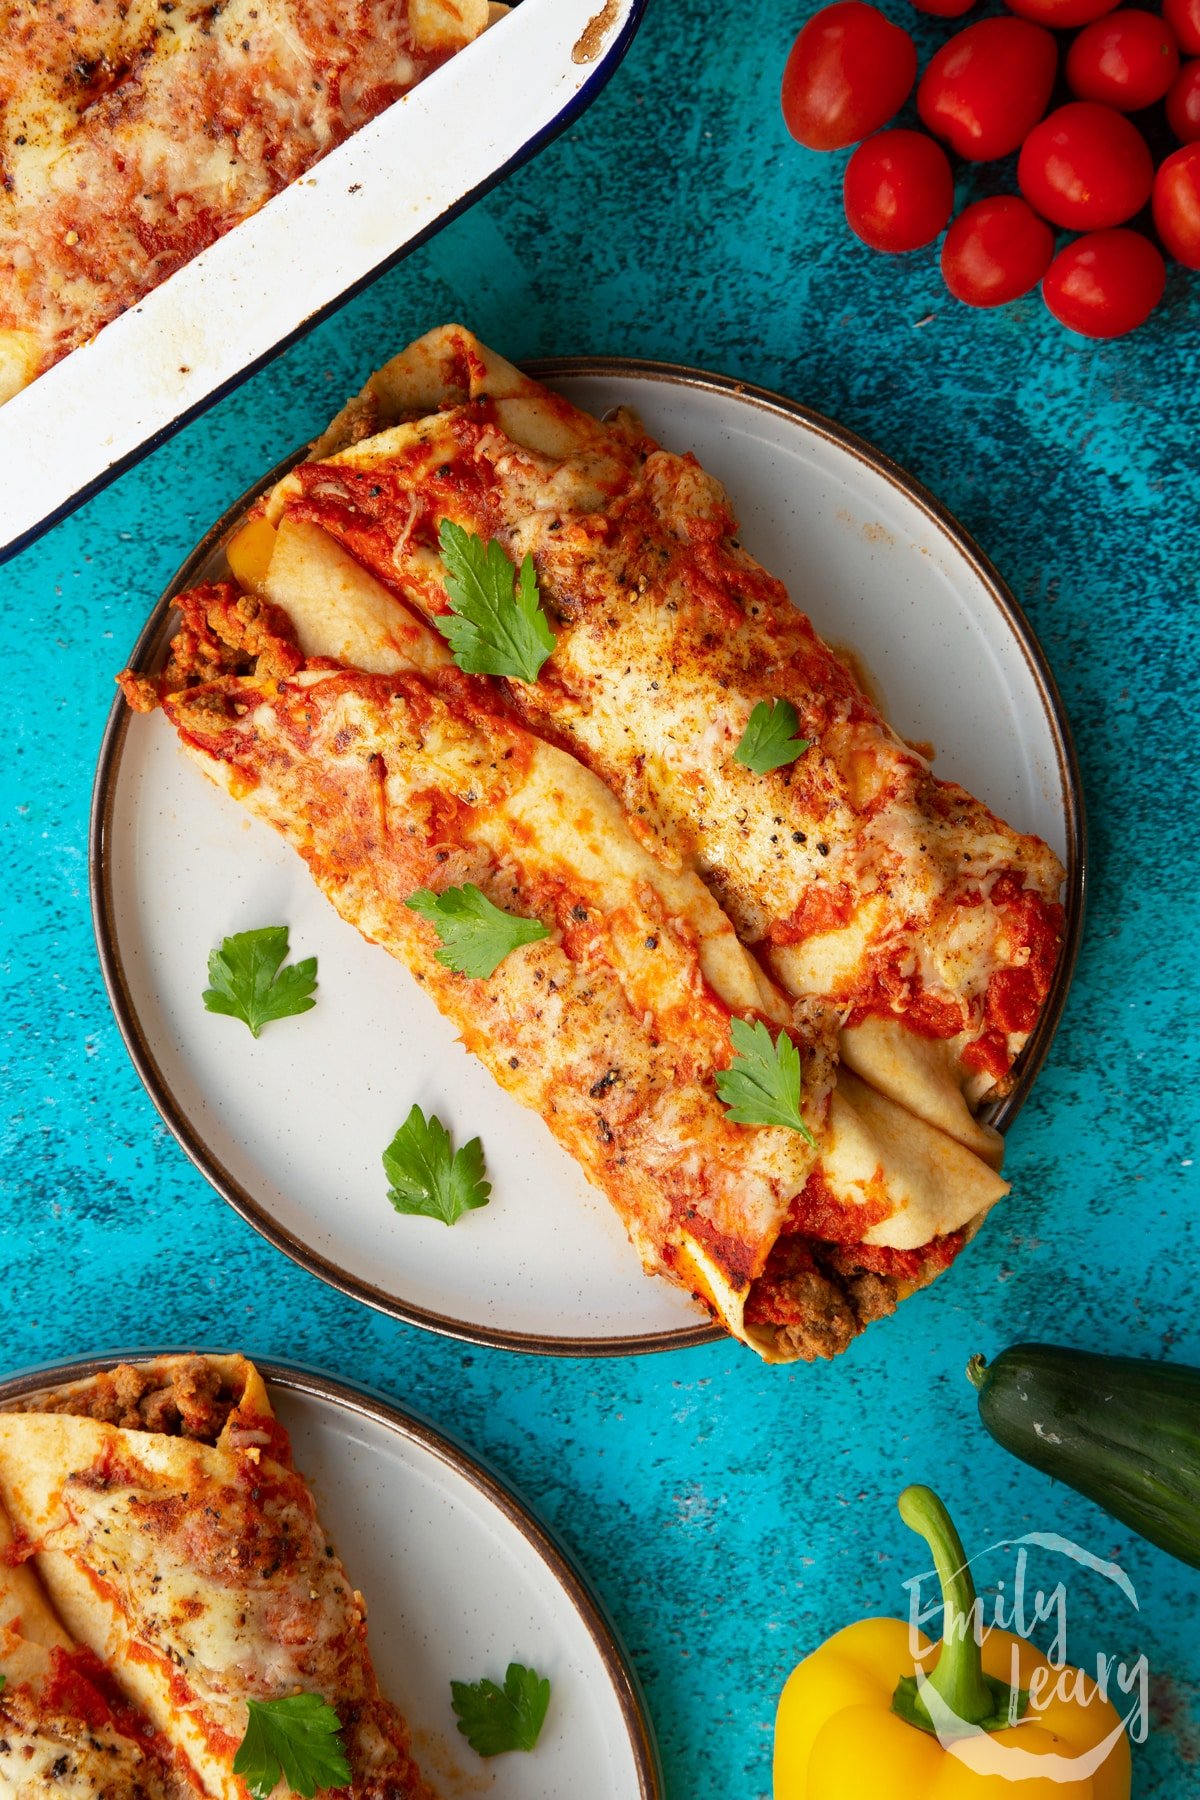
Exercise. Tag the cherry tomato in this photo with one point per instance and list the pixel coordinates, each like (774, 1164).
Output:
(1183, 104)
(1105, 284)
(898, 190)
(848, 71)
(1177, 205)
(1183, 16)
(1127, 60)
(1085, 167)
(944, 9)
(988, 86)
(995, 251)
(1061, 14)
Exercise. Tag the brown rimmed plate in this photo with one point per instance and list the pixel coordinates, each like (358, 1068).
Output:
(290, 1129)
(460, 1580)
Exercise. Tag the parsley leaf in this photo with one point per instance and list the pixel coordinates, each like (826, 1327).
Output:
(248, 984)
(494, 1719)
(427, 1177)
(489, 630)
(298, 1738)
(3, 1680)
(476, 935)
(761, 1086)
(769, 740)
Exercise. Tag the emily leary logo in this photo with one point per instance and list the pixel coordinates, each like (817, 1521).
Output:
(1021, 1613)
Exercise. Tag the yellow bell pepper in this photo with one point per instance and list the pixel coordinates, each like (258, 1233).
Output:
(855, 1719)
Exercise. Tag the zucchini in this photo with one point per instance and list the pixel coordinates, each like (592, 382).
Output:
(1122, 1432)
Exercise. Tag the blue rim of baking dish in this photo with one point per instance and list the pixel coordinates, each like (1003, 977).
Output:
(611, 58)
(496, 1490)
(150, 649)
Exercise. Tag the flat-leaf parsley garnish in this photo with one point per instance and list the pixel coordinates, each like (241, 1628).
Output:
(476, 936)
(769, 740)
(428, 1176)
(496, 625)
(297, 1738)
(761, 1086)
(248, 982)
(495, 1719)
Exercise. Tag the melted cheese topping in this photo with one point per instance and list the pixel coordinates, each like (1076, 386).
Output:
(863, 879)
(402, 773)
(133, 136)
(611, 1028)
(201, 1577)
(57, 1733)
(46, 1752)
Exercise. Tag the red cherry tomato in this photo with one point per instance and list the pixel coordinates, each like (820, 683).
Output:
(1061, 14)
(1183, 104)
(995, 251)
(1105, 284)
(848, 71)
(988, 86)
(1127, 60)
(898, 190)
(1085, 167)
(1183, 16)
(944, 9)
(1177, 205)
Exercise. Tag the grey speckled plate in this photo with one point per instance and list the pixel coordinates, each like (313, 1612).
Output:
(290, 1129)
(459, 1580)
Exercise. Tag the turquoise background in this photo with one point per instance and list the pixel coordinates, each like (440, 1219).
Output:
(730, 1515)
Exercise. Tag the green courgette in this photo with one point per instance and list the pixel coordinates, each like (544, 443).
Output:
(1124, 1433)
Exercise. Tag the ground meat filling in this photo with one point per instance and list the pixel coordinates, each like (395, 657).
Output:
(814, 1298)
(194, 1402)
(222, 632)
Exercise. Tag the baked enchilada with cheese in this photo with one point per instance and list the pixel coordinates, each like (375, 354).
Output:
(336, 714)
(861, 879)
(163, 1572)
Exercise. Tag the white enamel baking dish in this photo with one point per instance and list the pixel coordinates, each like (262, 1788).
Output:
(386, 189)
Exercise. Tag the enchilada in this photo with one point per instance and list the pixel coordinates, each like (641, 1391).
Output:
(338, 717)
(860, 878)
(156, 1512)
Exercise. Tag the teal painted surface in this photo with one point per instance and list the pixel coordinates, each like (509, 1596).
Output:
(729, 1515)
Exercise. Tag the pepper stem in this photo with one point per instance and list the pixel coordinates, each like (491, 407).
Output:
(974, 1700)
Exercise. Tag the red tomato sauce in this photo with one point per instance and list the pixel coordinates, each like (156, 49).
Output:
(81, 1686)
(889, 994)
(819, 909)
(817, 1213)
(909, 1265)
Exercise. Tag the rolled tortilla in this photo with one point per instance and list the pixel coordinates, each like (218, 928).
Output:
(177, 1543)
(400, 773)
(857, 875)
(63, 1728)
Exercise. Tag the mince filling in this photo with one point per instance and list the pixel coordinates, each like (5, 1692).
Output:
(194, 1402)
(813, 1298)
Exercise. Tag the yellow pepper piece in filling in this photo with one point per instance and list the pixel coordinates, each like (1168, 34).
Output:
(837, 1737)
(248, 552)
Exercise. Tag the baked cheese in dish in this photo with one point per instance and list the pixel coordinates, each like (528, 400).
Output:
(134, 135)
(157, 1512)
(860, 878)
(336, 716)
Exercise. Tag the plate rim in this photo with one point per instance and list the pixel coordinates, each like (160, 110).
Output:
(103, 799)
(369, 1402)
